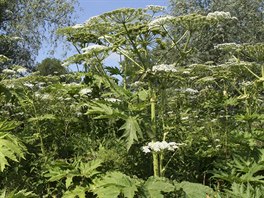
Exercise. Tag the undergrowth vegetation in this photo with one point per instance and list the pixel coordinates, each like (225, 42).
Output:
(149, 127)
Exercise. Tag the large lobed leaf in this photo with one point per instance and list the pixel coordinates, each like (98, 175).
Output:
(155, 186)
(194, 190)
(114, 184)
(10, 147)
(132, 131)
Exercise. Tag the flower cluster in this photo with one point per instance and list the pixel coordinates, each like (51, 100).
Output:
(161, 21)
(94, 48)
(227, 46)
(112, 100)
(155, 8)
(191, 91)
(164, 68)
(219, 15)
(8, 71)
(21, 70)
(161, 146)
(85, 91)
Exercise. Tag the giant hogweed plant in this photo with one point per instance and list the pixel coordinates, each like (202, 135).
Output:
(137, 36)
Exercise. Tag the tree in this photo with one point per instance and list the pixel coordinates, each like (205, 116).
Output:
(247, 28)
(24, 24)
(51, 66)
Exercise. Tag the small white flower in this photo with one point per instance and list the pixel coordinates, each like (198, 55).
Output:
(112, 100)
(37, 94)
(155, 8)
(190, 90)
(219, 15)
(94, 48)
(16, 38)
(161, 146)
(185, 118)
(8, 71)
(227, 46)
(85, 91)
(67, 99)
(45, 96)
(186, 72)
(146, 149)
(218, 146)
(246, 83)
(29, 85)
(161, 21)
(60, 98)
(65, 64)
(21, 70)
(156, 147)
(164, 68)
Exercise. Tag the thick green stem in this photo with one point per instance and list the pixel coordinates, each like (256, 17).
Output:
(156, 168)
(156, 161)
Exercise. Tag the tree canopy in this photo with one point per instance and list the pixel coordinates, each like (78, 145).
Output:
(247, 27)
(25, 24)
(51, 66)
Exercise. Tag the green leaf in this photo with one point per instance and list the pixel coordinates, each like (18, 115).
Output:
(88, 169)
(57, 174)
(132, 131)
(114, 184)
(194, 190)
(103, 110)
(7, 126)
(10, 147)
(68, 181)
(19, 194)
(78, 191)
(154, 187)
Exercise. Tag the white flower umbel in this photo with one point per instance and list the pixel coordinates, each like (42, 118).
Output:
(160, 21)
(94, 48)
(155, 8)
(227, 46)
(21, 70)
(219, 15)
(191, 91)
(85, 91)
(8, 71)
(112, 100)
(161, 146)
(164, 68)
(29, 85)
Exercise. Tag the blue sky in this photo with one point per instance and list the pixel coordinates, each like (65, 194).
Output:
(91, 8)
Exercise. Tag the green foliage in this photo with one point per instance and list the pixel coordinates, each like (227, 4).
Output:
(23, 24)
(132, 131)
(155, 187)
(19, 194)
(114, 184)
(245, 191)
(194, 190)
(243, 170)
(85, 131)
(10, 146)
(51, 66)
